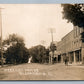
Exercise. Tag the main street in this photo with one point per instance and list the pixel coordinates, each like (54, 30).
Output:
(36, 71)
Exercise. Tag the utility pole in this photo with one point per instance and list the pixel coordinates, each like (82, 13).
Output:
(52, 31)
(1, 38)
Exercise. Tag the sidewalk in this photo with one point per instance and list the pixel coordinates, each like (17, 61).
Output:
(79, 65)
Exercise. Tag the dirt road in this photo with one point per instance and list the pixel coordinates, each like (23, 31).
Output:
(42, 72)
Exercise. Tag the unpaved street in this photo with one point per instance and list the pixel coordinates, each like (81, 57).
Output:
(42, 72)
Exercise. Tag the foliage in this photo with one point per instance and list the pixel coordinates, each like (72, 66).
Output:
(13, 39)
(52, 47)
(74, 13)
(16, 53)
(39, 54)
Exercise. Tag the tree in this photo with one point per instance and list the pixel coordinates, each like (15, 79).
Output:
(74, 13)
(16, 52)
(47, 55)
(52, 47)
(38, 54)
(13, 39)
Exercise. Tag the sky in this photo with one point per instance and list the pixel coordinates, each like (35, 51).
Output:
(33, 22)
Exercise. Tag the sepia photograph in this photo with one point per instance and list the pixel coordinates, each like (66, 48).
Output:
(41, 42)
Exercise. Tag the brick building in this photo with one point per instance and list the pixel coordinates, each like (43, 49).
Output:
(72, 46)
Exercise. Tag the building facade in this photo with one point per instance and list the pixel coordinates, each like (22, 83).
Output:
(71, 46)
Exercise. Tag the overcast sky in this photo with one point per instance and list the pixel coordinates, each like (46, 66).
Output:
(33, 21)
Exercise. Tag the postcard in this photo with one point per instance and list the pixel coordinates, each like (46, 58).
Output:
(41, 42)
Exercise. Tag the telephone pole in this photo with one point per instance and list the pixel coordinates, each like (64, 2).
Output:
(52, 57)
(1, 38)
(51, 31)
